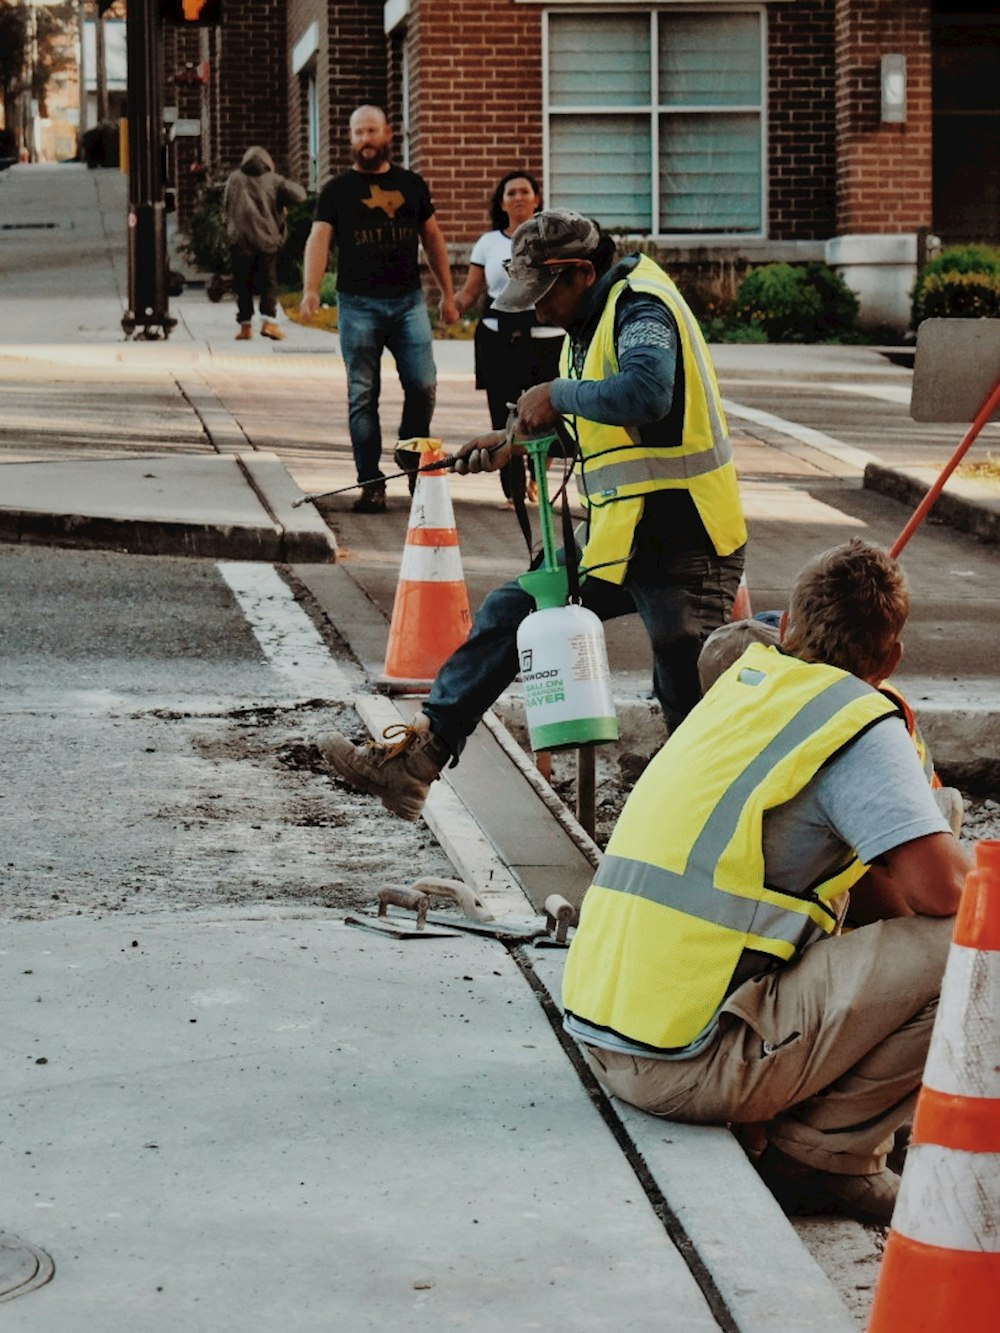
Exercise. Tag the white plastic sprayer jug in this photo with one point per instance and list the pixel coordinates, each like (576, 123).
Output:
(561, 649)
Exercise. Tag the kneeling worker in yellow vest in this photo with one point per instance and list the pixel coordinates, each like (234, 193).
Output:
(708, 980)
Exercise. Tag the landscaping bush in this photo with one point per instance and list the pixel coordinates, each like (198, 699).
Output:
(788, 304)
(205, 244)
(961, 283)
(300, 220)
(207, 248)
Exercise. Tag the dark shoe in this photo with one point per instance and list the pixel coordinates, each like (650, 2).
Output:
(399, 773)
(803, 1190)
(271, 330)
(245, 333)
(371, 501)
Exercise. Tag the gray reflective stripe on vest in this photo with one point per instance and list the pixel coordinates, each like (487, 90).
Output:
(638, 471)
(613, 475)
(685, 894)
(693, 890)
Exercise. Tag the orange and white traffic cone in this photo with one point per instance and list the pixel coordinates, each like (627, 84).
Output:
(431, 615)
(941, 1270)
(742, 610)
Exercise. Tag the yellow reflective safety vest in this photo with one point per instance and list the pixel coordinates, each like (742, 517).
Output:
(616, 470)
(681, 891)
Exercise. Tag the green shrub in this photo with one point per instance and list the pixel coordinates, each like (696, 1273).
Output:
(780, 301)
(838, 304)
(207, 248)
(300, 220)
(788, 304)
(719, 329)
(205, 244)
(961, 283)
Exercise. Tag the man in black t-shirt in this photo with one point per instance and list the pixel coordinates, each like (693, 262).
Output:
(376, 213)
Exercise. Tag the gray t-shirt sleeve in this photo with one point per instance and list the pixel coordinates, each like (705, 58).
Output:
(872, 797)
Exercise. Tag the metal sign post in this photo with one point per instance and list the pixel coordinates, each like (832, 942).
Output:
(148, 314)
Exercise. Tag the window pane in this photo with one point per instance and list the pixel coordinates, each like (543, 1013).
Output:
(599, 60)
(710, 173)
(710, 60)
(600, 165)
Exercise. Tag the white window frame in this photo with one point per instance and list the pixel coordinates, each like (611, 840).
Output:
(654, 111)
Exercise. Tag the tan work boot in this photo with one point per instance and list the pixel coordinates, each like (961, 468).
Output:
(270, 330)
(245, 333)
(803, 1190)
(399, 773)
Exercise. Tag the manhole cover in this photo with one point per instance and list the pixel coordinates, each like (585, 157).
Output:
(23, 1267)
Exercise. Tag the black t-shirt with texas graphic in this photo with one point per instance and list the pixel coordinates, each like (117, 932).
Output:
(376, 220)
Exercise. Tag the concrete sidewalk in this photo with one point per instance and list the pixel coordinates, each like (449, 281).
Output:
(276, 1119)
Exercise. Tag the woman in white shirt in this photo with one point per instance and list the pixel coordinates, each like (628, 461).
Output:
(513, 352)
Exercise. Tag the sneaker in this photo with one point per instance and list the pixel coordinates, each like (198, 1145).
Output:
(371, 501)
(804, 1190)
(399, 772)
(244, 333)
(270, 330)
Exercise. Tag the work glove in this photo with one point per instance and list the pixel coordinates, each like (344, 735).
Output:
(486, 453)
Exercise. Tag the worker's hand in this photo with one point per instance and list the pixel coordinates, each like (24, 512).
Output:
(486, 453)
(449, 311)
(535, 411)
(309, 305)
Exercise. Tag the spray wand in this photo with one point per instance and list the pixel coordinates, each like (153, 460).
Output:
(447, 462)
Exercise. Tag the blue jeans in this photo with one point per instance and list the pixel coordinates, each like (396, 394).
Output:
(368, 325)
(681, 596)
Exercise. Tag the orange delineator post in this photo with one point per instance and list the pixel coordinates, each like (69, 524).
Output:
(430, 615)
(920, 513)
(941, 1270)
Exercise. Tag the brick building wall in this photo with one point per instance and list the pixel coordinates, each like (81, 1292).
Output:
(476, 103)
(802, 148)
(233, 79)
(301, 14)
(884, 178)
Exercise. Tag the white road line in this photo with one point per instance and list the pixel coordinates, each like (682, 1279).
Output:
(804, 434)
(287, 637)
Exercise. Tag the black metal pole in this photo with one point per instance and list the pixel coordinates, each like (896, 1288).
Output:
(148, 302)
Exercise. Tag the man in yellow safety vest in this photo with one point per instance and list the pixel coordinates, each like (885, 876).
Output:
(709, 980)
(665, 532)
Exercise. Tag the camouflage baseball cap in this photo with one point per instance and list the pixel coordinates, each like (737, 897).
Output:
(541, 247)
(727, 643)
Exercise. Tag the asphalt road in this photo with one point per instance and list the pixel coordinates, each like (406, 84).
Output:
(158, 718)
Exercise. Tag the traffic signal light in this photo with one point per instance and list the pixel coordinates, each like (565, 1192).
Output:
(191, 13)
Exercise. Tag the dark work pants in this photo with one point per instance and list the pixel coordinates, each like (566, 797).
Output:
(255, 275)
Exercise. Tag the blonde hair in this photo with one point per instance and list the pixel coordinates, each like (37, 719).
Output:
(848, 608)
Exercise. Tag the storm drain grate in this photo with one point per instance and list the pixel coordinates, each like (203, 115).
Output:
(23, 1267)
(29, 226)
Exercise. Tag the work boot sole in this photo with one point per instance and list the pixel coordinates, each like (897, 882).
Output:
(354, 767)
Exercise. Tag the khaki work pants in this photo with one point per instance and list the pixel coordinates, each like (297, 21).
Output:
(829, 1050)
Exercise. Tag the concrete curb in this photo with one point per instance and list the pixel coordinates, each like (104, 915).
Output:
(969, 506)
(305, 538)
(221, 506)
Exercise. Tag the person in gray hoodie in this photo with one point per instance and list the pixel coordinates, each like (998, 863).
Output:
(254, 202)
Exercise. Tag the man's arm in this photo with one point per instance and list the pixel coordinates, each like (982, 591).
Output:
(437, 259)
(641, 392)
(923, 877)
(314, 262)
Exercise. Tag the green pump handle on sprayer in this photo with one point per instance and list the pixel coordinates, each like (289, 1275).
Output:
(549, 584)
(561, 650)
